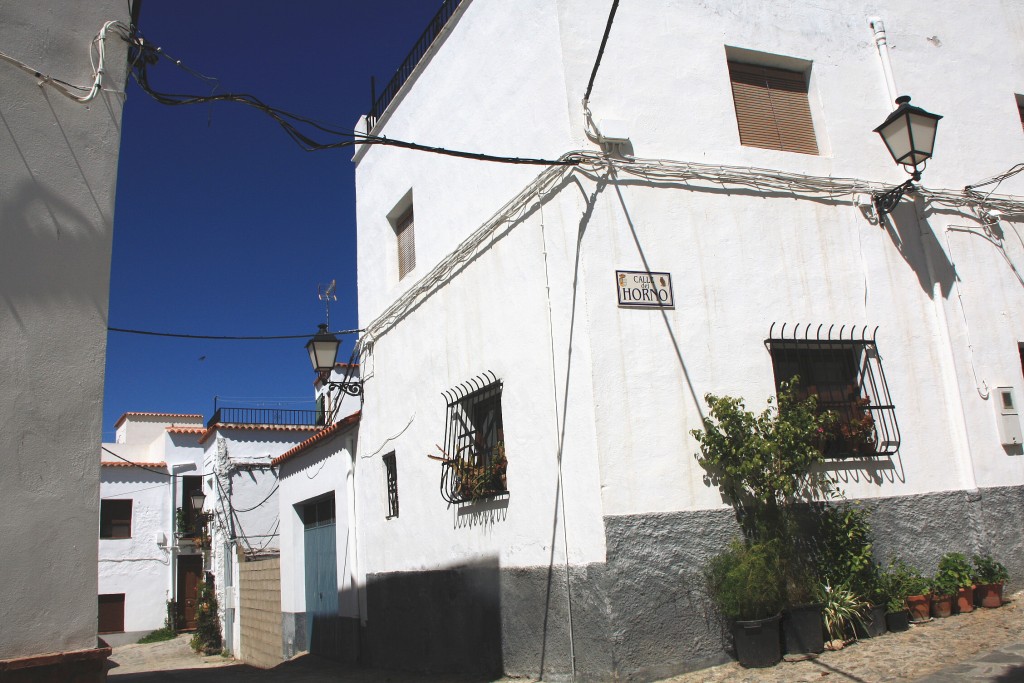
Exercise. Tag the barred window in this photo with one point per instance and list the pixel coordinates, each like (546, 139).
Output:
(772, 108)
(391, 476)
(845, 373)
(474, 453)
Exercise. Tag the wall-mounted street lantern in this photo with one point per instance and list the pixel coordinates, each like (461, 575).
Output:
(198, 500)
(323, 352)
(909, 134)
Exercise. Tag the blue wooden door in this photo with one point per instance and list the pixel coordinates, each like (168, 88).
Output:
(321, 555)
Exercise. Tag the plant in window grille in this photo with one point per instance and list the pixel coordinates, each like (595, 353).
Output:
(844, 371)
(391, 472)
(473, 456)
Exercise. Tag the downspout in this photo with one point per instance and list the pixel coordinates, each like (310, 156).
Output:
(882, 43)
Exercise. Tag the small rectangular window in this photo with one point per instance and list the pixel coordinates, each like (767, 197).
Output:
(1020, 109)
(391, 473)
(319, 513)
(406, 237)
(772, 109)
(111, 613)
(116, 518)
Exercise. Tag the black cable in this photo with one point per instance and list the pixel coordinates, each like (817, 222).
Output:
(600, 52)
(144, 55)
(272, 492)
(140, 466)
(177, 335)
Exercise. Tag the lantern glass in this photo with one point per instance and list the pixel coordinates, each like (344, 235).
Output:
(909, 133)
(198, 499)
(323, 350)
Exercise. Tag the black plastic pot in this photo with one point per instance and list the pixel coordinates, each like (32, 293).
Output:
(898, 621)
(757, 642)
(802, 631)
(874, 623)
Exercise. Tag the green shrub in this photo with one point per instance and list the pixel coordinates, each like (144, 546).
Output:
(169, 629)
(207, 638)
(954, 572)
(987, 570)
(747, 580)
(899, 580)
(842, 610)
(843, 551)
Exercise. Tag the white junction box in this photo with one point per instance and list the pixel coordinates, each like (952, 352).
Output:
(1007, 417)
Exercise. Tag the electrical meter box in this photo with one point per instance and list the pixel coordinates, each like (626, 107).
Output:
(1007, 417)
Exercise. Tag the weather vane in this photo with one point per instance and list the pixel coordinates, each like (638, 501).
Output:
(326, 294)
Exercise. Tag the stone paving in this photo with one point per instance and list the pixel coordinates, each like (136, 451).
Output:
(986, 645)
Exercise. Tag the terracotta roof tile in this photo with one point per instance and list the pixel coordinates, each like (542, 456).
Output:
(189, 416)
(186, 430)
(257, 428)
(324, 433)
(121, 463)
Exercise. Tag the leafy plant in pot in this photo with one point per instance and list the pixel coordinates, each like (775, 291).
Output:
(843, 613)
(944, 588)
(989, 575)
(955, 569)
(747, 583)
(907, 585)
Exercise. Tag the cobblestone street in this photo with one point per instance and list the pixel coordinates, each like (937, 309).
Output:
(986, 645)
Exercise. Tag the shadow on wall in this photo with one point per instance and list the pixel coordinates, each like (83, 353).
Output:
(436, 621)
(916, 242)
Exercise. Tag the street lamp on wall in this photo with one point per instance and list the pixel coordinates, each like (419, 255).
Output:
(323, 352)
(909, 135)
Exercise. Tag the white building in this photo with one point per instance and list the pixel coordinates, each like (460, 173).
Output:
(58, 170)
(241, 489)
(320, 582)
(488, 292)
(146, 557)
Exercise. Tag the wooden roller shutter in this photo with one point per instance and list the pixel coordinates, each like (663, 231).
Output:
(771, 108)
(406, 244)
(111, 613)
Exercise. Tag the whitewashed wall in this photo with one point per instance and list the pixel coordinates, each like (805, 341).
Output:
(319, 471)
(58, 170)
(139, 566)
(510, 82)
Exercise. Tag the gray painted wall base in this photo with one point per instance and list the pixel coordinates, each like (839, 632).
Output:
(645, 613)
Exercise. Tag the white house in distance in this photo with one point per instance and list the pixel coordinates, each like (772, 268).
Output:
(58, 169)
(725, 160)
(146, 556)
(241, 489)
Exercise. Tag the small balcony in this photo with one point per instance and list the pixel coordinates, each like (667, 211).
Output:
(379, 103)
(266, 416)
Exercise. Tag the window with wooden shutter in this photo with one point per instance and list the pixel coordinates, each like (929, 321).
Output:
(772, 109)
(406, 243)
(111, 613)
(116, 518)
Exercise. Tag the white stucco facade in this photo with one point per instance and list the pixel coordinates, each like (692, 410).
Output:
(242, 493)
(145, 465)
(515, 265)
(59, 169)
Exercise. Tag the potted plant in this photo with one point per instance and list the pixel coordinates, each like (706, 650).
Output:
(802, 616)
(989, 575)
(843, 610)
(916, 591)
(944, 587)
(957, 570)
(893, 591)
(747, 583)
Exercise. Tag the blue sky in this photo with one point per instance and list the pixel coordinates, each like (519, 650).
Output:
(223, 225)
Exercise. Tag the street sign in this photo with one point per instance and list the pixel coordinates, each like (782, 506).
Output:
(642, 289)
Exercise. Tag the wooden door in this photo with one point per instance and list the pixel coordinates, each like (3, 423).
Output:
(190, 573)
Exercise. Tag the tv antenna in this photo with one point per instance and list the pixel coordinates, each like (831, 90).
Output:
(326, 294)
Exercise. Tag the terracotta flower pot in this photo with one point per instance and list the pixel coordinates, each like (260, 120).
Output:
(965, 600)
(920, 607)
(989, 594)
(942, 606)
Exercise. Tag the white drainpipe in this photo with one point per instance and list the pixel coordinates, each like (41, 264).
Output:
(882, 43)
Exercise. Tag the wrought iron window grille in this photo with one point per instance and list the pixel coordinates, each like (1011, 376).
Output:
(473, 457)
(842, 366)
(391, 477)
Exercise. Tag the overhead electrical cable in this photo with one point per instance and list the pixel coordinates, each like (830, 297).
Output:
(600, 51)
(144, 55)
(179, 335)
